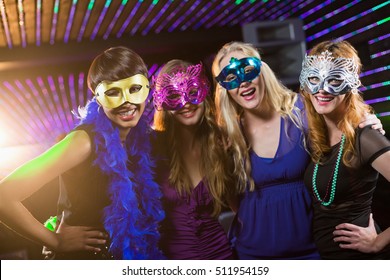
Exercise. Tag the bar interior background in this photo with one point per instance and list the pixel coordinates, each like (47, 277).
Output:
(46, 47)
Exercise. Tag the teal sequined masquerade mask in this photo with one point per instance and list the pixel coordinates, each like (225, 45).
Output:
(238, 71)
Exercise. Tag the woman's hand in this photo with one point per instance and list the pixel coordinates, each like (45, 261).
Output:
(358, 238)
(78, 238)
(372, 119)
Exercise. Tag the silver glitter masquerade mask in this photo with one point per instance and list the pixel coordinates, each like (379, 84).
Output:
(333, 75)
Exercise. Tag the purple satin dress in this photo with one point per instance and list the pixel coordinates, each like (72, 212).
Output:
(189, 232)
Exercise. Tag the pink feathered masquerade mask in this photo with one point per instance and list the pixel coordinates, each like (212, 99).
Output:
(172, 92)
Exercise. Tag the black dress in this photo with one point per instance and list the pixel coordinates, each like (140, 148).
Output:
(353, 196)
(83, 196)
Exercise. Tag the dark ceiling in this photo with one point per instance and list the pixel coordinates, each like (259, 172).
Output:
(46, 47)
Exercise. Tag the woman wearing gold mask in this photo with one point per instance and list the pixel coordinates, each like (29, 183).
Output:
(105, 173)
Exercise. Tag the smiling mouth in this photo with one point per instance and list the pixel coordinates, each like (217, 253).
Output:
(324, 99)
(248, 93)
(188, 113)
(127, 113)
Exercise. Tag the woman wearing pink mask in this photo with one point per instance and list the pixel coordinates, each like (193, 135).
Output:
(193, 167)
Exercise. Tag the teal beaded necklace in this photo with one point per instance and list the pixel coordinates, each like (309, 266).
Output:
(334, 179)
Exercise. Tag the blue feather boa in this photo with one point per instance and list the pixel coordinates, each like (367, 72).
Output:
(132, 219)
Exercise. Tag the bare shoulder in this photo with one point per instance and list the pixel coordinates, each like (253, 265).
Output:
(67, 153)
(79, 138)
(76, 143)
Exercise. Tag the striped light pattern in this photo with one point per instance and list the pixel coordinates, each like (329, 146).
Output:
(54, 21)
(316, 9)
(287, 10)
(142, 19)
(263, 9)
(373, 71)
(347, 21)
(170, 16)
(129, 19)
(384, 114)
(156, 18)
(275, 12)
(200, 14)
(377, 100)
(114, 21)
(380, 38)
(295, 9)
(329, 15)
(38, 22)
(219, 9)
(85, 20)
(5, 24)
(22, 25)
(363, 29)
(377, 85)
(70, 20)
(379, 54)
(184, 16)
(222, 18)
(100, 20)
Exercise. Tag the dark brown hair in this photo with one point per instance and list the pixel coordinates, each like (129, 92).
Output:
(115, 64)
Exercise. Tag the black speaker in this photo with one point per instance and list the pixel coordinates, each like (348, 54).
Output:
(281, 44)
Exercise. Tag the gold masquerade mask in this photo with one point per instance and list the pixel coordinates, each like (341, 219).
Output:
(134, 89)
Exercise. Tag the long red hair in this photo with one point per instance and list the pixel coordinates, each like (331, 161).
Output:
(318, 133)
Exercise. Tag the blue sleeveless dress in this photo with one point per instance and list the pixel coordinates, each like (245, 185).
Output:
(275, 220)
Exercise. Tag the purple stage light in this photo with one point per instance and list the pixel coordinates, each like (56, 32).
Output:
(127, 21)
(70, 21)
(85, 20)
(54, 22)
(142, 19)
(213, 12)
(38, 23)
(171, 15)
(184, 16)
(115, 19)
(198, 15)
(100, 19)
(22, 23)
(5, 24)
(156, 18)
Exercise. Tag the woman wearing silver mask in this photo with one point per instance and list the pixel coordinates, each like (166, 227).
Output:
(345, 159)
(265, 125)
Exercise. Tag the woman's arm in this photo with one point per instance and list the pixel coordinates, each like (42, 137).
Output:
(32, 176)
(382, 165)
(365, 239)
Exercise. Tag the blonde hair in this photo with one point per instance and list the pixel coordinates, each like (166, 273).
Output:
(318, 133)
(229, 113)
(214, 164)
